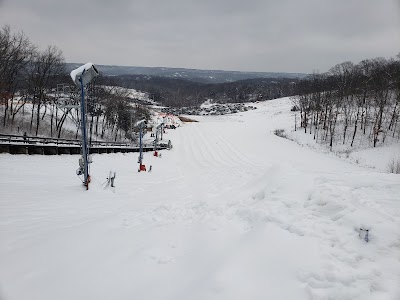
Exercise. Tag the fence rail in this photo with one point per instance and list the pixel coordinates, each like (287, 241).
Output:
(17, 144)
(10, 138)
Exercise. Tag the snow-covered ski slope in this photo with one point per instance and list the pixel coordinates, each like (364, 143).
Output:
(231, 212)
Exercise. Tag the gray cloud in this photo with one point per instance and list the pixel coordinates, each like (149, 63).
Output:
(254, 35)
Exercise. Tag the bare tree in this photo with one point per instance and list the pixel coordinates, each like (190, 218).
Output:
(15, 53)
(43, 69)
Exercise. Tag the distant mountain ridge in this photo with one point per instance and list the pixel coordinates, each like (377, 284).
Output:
(203, 76)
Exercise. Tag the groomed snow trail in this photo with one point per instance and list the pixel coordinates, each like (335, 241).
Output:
(231, 212)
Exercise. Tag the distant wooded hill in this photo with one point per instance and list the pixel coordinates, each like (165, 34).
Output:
(178, 92)
(203, 76)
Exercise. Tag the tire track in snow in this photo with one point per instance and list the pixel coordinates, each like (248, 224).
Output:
(213, 156)
(196, 154)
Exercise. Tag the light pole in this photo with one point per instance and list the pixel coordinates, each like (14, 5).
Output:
(81, 77)
(159, 128)
(162, 130)
(141, 124)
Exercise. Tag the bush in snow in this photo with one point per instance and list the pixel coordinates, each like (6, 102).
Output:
(394, 166)
(280, 133)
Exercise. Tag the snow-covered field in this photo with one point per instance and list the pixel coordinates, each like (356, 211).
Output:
(231, 212)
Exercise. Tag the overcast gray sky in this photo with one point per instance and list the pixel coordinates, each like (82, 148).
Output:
(245, 35)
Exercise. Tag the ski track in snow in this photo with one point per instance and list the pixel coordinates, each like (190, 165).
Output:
(231, 212)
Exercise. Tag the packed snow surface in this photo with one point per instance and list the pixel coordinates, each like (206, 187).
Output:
(231, 212)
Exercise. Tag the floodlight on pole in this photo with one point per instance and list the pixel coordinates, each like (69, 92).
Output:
(81, 77)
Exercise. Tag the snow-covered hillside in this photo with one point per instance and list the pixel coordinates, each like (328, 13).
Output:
(231, 212)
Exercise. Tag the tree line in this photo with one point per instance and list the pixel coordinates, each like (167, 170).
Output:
(352, 103)
(32, 100)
